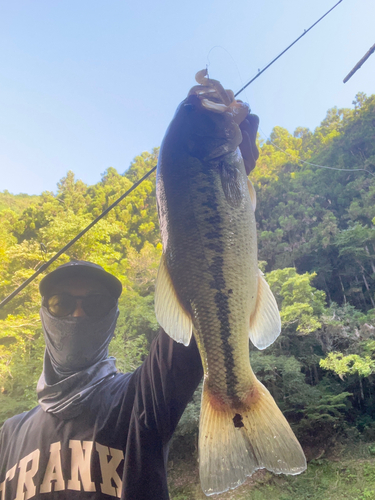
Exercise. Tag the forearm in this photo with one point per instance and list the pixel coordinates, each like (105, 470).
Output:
(167, 381)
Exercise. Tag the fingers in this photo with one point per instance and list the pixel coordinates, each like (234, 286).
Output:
(248, 148)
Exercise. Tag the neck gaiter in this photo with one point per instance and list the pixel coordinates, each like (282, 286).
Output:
(75, 361)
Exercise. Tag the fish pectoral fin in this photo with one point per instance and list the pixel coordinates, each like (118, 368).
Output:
(265, 322)
(171, 316)
(253, 195)
(234, 443)
(231, 184)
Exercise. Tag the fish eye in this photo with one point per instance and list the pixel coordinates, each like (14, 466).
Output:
(188, 107)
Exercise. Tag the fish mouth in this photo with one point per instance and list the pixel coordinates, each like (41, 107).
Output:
(214, 98)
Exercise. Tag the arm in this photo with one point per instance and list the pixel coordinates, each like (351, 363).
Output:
(166, 382)
(161, 389)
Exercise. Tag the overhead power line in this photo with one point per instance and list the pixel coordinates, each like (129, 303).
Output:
(136, 184)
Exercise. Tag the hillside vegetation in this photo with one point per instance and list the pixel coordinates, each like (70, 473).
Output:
(316, 230)
(16, 202)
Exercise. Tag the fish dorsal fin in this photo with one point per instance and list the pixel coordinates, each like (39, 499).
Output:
(253, 195)
(170, 314)
(265, 322)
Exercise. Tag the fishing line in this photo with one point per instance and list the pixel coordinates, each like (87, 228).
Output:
(48, 263)
(314, 164)
(225, 50)
(233, 60)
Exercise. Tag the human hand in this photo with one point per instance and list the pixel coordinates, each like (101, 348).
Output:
(248, 148)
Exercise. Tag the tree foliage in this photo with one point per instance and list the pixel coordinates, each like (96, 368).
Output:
(316, 234)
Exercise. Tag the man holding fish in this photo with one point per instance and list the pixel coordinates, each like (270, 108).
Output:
(97, 433)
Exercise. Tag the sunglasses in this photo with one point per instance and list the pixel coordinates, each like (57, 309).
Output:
(94, 306)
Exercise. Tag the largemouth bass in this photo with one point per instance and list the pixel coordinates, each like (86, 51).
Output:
(209, 285)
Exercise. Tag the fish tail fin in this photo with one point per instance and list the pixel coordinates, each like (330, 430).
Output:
(235, 443)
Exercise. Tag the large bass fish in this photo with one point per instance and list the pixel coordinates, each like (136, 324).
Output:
(209, 285)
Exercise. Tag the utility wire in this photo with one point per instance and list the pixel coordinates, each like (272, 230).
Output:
(136, 184)
(57, 255)
(283, 52)
(299, 160)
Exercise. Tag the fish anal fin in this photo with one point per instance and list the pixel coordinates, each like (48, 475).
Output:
(252, 193)
(265, 322)
(170, 314)
(235, 443)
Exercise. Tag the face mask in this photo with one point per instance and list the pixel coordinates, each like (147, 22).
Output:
(76, 343)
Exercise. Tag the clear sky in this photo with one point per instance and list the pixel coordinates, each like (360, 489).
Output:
(89, 84)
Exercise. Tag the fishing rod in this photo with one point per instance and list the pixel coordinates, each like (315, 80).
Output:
(359, 63)
(76, 238)
(136, 184)
(285, 50)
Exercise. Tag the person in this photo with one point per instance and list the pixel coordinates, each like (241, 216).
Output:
(96, 433)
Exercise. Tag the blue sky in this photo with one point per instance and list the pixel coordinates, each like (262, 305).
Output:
(85, 85)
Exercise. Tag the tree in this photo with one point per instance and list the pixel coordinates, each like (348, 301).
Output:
(301, 305)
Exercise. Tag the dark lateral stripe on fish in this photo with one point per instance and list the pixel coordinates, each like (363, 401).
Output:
(211, 203)
(216, 269)
(215, 247)
(222, 304)
(221, 299)
(211, 235)
(214, 219)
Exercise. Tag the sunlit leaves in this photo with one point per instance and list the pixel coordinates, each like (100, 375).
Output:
(301, 305)
(351, 364)
(316, 244)
(125, 242)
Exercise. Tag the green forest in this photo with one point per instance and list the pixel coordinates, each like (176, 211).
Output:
(316, 238)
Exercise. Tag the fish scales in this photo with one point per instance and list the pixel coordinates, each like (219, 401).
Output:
(212, 270)
(209, 284)
(224, 293)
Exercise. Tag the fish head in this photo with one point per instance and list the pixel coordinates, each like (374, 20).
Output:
(207, 134)
(210, 123)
